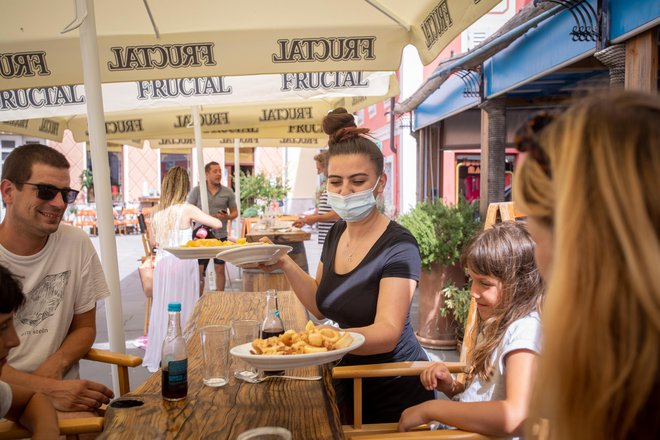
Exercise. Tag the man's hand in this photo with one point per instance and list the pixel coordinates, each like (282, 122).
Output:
(78, 395)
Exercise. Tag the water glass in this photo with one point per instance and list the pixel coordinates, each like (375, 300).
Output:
(215, 351)
(244, 331)
(266, 433)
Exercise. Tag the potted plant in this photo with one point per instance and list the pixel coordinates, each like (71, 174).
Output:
(456, 305)
(257, 190)
(441, 231)
(87, 183)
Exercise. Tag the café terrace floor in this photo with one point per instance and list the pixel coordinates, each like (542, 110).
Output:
(129, 251)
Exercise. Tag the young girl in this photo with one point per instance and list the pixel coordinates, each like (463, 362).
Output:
(507, 288)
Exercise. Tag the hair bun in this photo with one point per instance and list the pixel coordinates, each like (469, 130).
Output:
(340, 126)
(336, 120)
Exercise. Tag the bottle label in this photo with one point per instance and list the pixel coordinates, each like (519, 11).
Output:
(178, 372)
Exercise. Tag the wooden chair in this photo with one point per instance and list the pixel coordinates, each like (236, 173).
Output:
(496, 212)
(71, 428)
(86, 218)
(120, 226)
(247, 225)
(130, 219)
(148, 253)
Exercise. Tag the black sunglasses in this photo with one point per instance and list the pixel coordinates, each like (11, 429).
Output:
(526, 139)
(48, 192)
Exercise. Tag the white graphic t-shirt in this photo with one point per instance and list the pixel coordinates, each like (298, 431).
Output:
(64, 279)
(5, 399)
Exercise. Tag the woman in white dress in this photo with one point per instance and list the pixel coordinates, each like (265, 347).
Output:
(175, 280)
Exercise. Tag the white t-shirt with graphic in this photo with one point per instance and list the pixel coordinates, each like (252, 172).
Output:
(523, 334)
(64, 279)
(5, 399)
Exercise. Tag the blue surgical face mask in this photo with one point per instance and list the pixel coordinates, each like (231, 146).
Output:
(353, 207)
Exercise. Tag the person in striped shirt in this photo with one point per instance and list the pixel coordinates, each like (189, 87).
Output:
(324, 216)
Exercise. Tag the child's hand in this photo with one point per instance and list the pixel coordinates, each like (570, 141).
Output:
(438, 376)
(413, 416)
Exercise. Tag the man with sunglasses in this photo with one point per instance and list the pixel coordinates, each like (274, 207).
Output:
(62, 279)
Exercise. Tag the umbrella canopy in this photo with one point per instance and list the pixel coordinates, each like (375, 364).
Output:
(282, 106)
(147, 40)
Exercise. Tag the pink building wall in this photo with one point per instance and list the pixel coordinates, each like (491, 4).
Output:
(142, 169)
(74, 153)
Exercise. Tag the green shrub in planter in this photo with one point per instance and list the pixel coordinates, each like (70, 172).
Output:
(441, 230)
(456, 305)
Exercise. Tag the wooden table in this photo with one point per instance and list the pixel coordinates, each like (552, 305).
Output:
(306, 408)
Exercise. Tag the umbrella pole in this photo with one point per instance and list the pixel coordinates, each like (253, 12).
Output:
(237, 192)
(100, 165)
(200, 159)
(237, 185)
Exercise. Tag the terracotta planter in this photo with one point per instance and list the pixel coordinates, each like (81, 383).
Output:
(436, 331)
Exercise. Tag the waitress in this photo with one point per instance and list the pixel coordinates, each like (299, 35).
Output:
(367, 275)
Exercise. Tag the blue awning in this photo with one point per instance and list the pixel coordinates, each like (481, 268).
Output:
(443, 103)
(534, 64)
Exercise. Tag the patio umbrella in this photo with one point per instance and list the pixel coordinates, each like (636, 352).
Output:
(145, 40)
(148, 41)
(267, 106)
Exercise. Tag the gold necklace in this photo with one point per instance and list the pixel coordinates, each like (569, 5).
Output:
(349, 253)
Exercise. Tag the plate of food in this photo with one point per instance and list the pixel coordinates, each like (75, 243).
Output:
(205, 248)
(251, 255)
(297, 350)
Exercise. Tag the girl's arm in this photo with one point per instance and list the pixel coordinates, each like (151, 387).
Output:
(192, 212)
(437, 376)
(498, 418)
(395, 295)
(35, 412)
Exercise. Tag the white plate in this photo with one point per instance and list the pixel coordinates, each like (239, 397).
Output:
(193, 253)
(250, 256)
(283, 362)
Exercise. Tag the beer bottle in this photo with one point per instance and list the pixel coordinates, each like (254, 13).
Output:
(174, 358)
(272, 324)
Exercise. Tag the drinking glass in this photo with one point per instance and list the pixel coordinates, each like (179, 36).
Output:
(244, 331)
(266, 433)
(215, 351)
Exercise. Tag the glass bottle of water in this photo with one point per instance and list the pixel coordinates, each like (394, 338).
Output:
(174, 357)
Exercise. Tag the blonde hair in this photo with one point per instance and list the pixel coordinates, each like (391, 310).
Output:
(598, 373)
(173, 194)
(505, 252)
(322, 158)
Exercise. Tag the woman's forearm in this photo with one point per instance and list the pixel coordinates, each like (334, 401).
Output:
(303, 285)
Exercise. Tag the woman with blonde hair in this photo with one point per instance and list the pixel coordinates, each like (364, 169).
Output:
(589, 186)
(175, 280)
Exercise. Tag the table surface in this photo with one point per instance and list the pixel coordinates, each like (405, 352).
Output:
(306, 408)
(292, 235)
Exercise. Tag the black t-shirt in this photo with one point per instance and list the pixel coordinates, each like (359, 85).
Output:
(351, 300)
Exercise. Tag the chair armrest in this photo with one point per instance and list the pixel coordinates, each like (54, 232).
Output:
(10, 430)
(452, 434)
(111, 357)
(391, 369)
